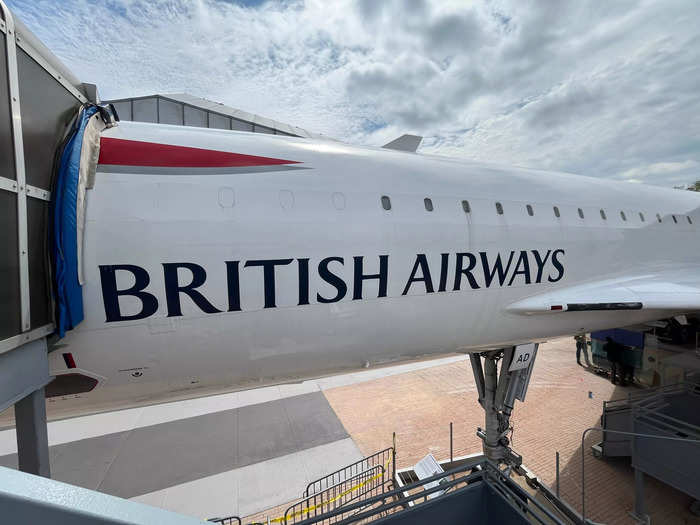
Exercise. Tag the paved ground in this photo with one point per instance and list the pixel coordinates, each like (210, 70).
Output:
(226, 454)
(181, 455)
(420, 405)
(156, 457)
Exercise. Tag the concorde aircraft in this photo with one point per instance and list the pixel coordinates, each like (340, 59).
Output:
(220, 260)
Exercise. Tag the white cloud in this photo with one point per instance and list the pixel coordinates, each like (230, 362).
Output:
(608, 89)
(640, 173)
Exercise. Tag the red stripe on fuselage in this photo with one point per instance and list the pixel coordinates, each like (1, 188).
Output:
(137, 153)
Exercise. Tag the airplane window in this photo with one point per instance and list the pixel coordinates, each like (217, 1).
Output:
(622, 214)
(428, 204)
(580, 213)
(556, 212)
(386, 202)
(674, 219)
(602, 214)
(658, 217)
(466, 207)
(499, 208)
(529, 210)
(641, 216)
(689, 220)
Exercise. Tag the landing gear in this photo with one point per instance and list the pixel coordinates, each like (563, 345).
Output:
(498, 391)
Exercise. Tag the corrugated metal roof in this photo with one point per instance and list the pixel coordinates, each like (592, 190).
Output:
(256, 121)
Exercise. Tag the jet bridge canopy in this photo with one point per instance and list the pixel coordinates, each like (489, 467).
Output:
(38, 100)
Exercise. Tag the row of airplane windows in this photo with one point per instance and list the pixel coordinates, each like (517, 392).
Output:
(428, 203)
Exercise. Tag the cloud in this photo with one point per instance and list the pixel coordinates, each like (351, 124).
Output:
(607, 89)
(662, 171)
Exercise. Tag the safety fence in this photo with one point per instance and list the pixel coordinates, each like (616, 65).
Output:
(365, 479)
(231, 520)
(371, 476)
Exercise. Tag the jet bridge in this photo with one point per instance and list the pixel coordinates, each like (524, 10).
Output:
(39, 99)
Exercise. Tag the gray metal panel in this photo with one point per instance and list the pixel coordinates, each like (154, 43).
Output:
(10, 322)
(145, 110)
(40, 299)
(123, 109)
(22, 371)
(7, 154)
(239, 125)
(169, 112)
(675, 463)
(219, 121)
(617, 418)
(195, 117)
(47, 110)
(476, 504)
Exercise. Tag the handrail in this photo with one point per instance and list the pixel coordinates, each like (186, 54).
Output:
(636, 396)
(420, 495)
(225, 521)
(500, 479)
(462, 475)
(666, 427)
(398, 501)
(341, 470)
(319, 495)
(643, 412)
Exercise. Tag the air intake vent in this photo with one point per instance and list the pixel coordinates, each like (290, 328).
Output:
(69, 384)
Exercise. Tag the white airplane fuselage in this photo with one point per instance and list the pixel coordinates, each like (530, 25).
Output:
(201, 277)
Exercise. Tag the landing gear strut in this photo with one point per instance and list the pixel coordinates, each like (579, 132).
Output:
(498, 391)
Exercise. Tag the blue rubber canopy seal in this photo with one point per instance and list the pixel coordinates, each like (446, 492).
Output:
(68, 292)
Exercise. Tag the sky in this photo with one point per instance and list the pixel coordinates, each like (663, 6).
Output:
(599, 88)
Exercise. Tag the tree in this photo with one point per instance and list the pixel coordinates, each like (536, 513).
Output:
(695, 186)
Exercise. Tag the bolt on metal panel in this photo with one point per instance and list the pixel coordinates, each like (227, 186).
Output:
(9, 267)
(47, 112)
(7, 160)
(40, 301)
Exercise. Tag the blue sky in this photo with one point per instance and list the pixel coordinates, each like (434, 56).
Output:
(607, 89)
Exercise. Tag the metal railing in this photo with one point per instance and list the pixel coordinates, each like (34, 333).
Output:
(371, 482)
(371, 476)
(393, 500)
(382, 459)
(634, 397)
(452, 482)
(231, 520)
(518, 498)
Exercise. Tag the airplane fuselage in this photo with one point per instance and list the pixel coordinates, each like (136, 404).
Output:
(336, 257)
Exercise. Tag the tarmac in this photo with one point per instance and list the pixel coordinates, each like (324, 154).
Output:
(253, 453)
